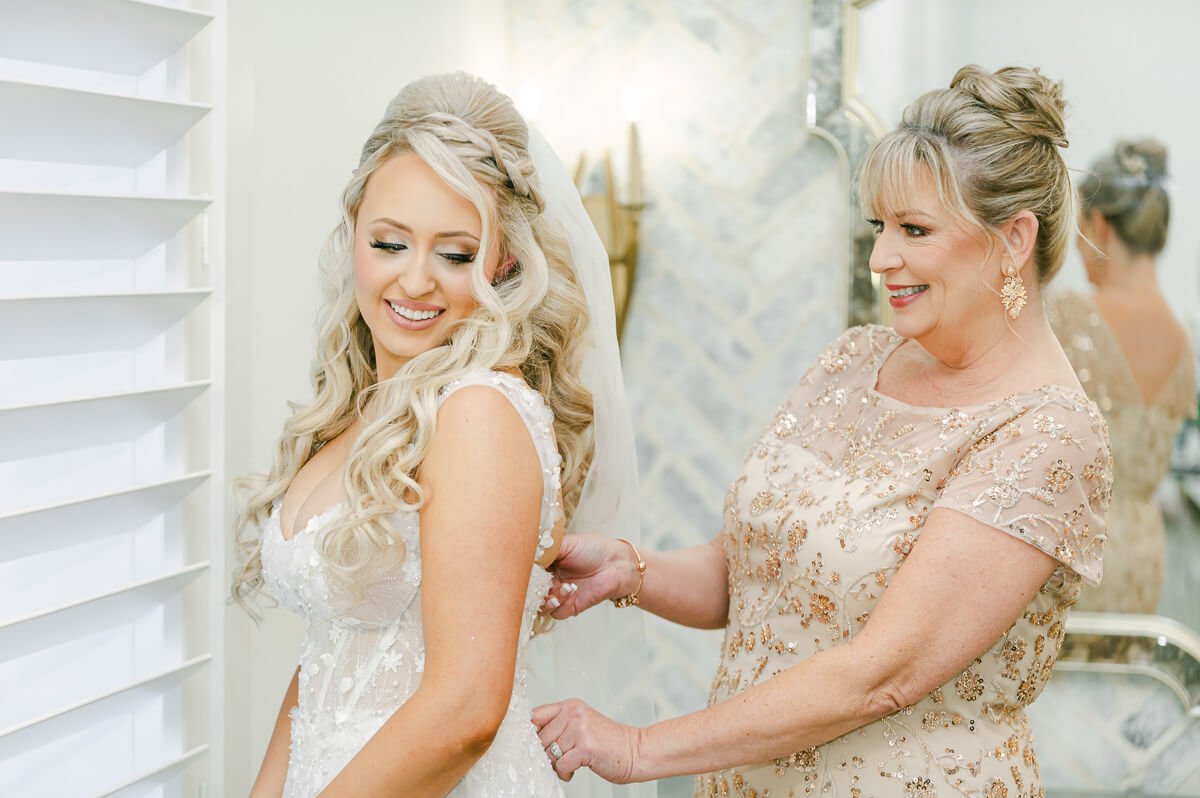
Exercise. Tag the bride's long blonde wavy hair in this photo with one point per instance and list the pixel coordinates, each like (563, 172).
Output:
(534, 321)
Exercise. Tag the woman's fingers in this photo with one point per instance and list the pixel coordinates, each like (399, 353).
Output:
(550, 727)
(560, 600)
(583, 576)
(568, 601)
(544, 714)
(559, 723)
(571, 761)
(569, 724)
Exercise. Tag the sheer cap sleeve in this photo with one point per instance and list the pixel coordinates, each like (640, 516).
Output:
(872, 340)
(1043, 476)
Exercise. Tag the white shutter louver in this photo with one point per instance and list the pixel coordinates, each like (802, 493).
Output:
(111, 398)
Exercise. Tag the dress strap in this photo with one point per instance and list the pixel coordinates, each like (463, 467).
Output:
(539, 420)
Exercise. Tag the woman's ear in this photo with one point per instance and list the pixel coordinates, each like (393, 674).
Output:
(1021, 234)
(1093, 234)
(1098, 227)
(505, 268)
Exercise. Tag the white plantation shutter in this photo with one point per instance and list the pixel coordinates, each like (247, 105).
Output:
(111, 398)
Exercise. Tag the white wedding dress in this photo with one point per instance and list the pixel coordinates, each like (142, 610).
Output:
(359, 665)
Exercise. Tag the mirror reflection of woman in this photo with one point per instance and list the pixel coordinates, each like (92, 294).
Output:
(1133, 358)
(903, 543)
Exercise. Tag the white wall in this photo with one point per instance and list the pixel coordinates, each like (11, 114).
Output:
(1128, 71)
(307, 82)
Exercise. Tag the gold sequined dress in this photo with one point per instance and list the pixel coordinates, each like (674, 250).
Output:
(1142, 435)
(828, 505)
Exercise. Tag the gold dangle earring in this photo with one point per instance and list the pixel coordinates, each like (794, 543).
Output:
(1012, 295)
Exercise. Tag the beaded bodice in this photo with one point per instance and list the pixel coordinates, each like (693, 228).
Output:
(360, 663)
(831, 500)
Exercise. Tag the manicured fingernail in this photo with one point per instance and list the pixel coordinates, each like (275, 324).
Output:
(552, 603)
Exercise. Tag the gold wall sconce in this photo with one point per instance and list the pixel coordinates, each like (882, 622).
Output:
(616, 221)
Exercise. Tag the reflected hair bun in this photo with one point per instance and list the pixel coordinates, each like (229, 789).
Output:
(1128, 188)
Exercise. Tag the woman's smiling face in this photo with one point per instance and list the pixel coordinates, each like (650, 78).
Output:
(938, 272)
(415, 242)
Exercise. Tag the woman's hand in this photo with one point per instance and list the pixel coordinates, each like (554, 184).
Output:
(589, 569)
(585, 738)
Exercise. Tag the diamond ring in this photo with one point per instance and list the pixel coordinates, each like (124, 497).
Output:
(556, 750)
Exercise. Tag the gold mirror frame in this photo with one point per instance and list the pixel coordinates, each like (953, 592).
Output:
(1146, 645)
(852, 127)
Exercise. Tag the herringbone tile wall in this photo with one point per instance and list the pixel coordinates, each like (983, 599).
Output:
(741, 274)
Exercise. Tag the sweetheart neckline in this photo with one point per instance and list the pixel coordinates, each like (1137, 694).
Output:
(308, 525)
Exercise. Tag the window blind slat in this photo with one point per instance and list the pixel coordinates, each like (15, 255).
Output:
(124, 36)
(37, 429)
(42, 123)
(70, 523)
(96, 323)
(21, 636)
(101, 227)
(111, 397)
(158, 775)
(33, 733)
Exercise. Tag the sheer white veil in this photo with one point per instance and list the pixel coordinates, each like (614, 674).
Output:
(599, 656)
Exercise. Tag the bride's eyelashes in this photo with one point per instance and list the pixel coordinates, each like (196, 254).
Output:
(452, 257)
(388, 245)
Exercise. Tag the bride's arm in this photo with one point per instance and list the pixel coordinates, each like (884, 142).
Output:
(273, 772)
(479, 529)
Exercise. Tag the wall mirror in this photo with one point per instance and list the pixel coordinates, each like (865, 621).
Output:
(1121, 65)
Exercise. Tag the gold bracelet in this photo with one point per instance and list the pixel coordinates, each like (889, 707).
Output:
(632, 599)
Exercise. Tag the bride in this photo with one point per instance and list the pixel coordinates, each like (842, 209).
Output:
(465, 348)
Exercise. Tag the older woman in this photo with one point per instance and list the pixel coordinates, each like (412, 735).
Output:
(904, 540)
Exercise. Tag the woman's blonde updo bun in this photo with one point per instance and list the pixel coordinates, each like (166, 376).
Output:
(1127, 188)
(991, 143)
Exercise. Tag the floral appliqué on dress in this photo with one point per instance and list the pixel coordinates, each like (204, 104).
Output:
(359, 664)
(830, 502)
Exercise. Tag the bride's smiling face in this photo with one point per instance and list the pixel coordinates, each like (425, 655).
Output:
(415, 244)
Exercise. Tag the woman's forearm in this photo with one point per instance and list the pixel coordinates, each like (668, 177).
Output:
(426, 747)
(688, 587)
(980, 582)
(807, 705)
(273, 773)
